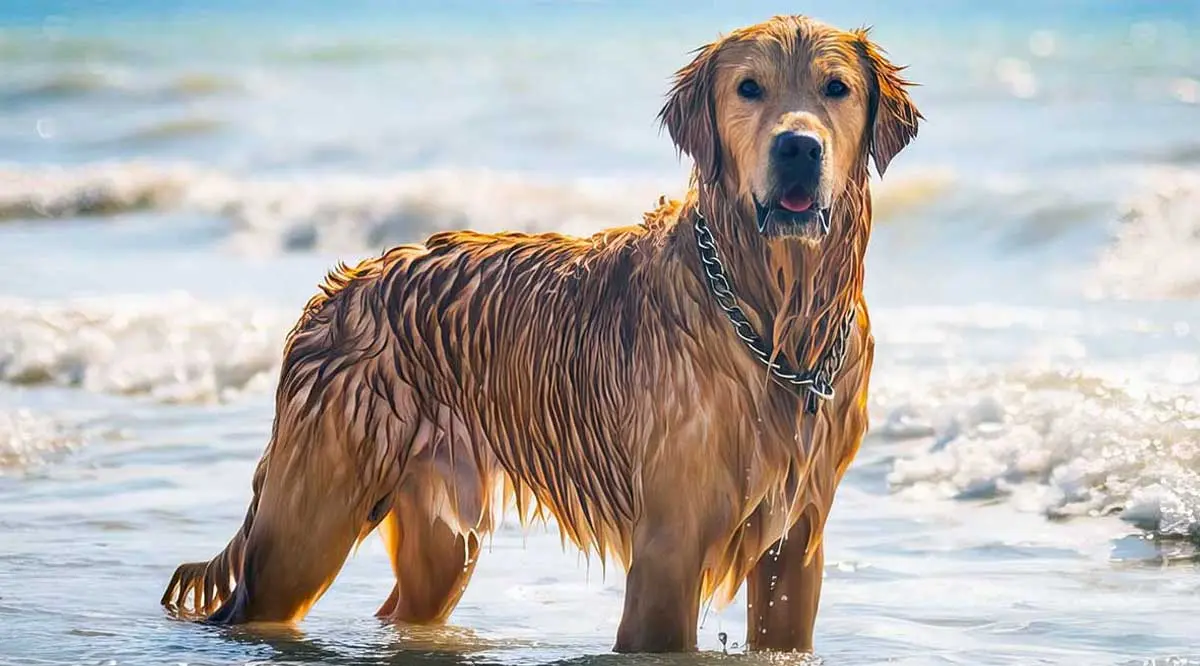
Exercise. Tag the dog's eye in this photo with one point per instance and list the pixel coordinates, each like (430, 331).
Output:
(749, 89)
(835, 88)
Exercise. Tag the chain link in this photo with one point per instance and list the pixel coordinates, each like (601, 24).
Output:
(817, 383)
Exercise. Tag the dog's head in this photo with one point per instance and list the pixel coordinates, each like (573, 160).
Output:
(783, 115)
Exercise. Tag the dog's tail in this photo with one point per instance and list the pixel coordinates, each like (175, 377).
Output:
(208, 584)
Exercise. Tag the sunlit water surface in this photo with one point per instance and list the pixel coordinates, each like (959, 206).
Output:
(176, 180)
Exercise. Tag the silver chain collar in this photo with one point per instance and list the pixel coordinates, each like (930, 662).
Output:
(815, 384)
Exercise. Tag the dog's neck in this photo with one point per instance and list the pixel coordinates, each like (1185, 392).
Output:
(796, 293)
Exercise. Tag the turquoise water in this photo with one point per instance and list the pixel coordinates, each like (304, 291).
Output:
(175, 178)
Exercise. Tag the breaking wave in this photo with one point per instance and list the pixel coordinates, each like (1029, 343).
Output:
(97, 190)
(84, 84)
(1150, 255)
(172, 348)
(170, 130)
(357, 213)
(69, 85)
(353, 214)
(1155, 248)
(1062, 443)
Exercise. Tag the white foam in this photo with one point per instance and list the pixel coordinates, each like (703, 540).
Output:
(351, 214)
(1061, 443)
(27, 438)
(1153, 252)
(331, 212)
(103, 188)
(172, 348)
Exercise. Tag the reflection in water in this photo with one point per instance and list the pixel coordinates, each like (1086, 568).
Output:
(451, 646)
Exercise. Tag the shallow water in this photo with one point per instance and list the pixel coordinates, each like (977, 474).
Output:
(177, 177)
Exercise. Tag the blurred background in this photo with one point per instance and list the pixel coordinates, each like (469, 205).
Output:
(176, 176)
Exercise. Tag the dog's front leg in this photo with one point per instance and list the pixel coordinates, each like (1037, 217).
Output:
(662, 589)
(783, 594)
(662, 598)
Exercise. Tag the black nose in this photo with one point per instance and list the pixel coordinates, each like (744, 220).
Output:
(793, 149)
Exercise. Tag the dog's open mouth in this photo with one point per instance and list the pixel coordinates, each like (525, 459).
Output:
(796, 212)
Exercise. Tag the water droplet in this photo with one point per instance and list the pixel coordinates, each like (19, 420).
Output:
(783, 598)
(772, 604)
(46, 128)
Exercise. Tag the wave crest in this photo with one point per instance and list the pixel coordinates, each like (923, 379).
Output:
(110, 84)
(356, 214)
(1058, 443)
(1153, 253)
(172, 349)
(171, 130)
(97, 190)
(363, 213)
(327, 212)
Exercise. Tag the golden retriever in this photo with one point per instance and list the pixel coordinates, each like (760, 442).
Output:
(683, 395)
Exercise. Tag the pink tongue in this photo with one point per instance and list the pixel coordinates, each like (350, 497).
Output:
(796, 202)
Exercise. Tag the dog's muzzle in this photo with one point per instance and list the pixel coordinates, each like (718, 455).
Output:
(794, 206)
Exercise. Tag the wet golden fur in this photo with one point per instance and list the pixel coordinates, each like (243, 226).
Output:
(592, 379)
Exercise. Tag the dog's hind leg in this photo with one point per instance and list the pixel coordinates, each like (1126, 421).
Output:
(433, 532)
(389, 531)
(433, 565)
(326, 486)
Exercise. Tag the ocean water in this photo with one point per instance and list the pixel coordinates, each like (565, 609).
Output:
(176, 176)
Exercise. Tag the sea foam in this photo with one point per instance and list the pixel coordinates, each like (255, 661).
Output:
(172, 348)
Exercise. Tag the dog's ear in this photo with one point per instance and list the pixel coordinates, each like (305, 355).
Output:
(690, 114)
(892, 117)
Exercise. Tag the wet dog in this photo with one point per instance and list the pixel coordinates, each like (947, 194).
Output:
(682, 395)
